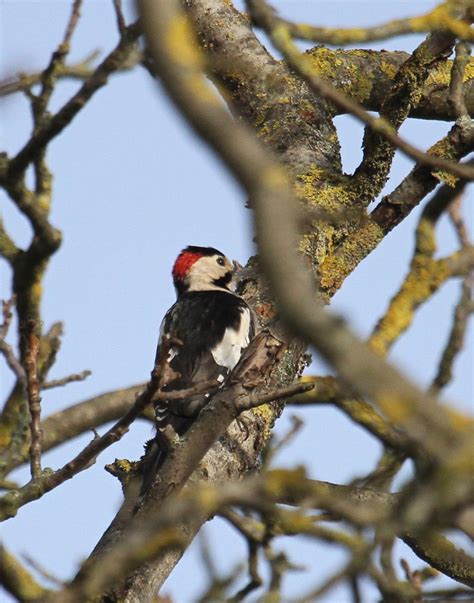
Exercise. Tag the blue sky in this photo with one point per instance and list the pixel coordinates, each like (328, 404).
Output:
(132, 187)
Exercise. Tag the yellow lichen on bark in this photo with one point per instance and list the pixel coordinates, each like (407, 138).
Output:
(350, 79)
(441, 17)
(354, 249)
(441, 74)
(425, 277)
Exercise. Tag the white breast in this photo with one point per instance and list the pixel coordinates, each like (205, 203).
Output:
(228, 351)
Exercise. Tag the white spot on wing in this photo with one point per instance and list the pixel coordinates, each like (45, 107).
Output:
(228, 351)
(171, 354)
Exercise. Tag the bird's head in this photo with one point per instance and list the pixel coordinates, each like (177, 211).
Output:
(202, 269)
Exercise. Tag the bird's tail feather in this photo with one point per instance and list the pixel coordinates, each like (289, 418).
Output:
(153, 459)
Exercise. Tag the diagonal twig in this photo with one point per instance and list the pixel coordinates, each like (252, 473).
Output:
(46, 482)
(5, 348)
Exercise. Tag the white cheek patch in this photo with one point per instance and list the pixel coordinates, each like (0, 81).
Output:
(228, 351)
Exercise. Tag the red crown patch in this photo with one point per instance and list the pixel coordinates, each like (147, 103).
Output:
(183, 263)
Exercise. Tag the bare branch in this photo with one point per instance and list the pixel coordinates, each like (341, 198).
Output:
(82, 71)
(254, 399)
(329, 390)
(149, 535)
(66, 114)
(6, 349)
(81, 418)
(458, 221)
(119, 16)
(42, 570)
(40, 102)
(464, 308)
(441, 16)
(72, 24)
(34, 400)
(426, 274)
(403, 95)
(46, 482)
(8, 249)
(393, 209)
(65, 380)
(456, 91)
(17, 580)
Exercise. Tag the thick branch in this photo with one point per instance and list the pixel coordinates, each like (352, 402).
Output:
(366, 75)
(260, 87)
(281, 38)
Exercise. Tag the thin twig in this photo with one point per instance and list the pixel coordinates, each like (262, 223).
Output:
(430, 21)
(33, 393)
(458, 221)
(121, 24)
(275, 445)
(42, 570)
(5, 348)
(48, 77)
(10, 503)
(255, 580)
(77, 71)
(464, 308)
(254, 532)
(355, 588)
(65, 380)
(73, 21)
(113, 62)
(258, 398)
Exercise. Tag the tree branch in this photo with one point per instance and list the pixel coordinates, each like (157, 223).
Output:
(6, 349)
(281, 38)
(17, 580)
(149, 535)
(47, 481)
(65, 380)
(441, 17)
(426, 274)
(456, 88)
(66, 114)
(33, 393)
(366, 75)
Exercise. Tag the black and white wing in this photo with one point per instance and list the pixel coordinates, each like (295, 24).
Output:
(214, 327)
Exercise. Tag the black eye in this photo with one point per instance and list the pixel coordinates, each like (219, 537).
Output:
(220, 261)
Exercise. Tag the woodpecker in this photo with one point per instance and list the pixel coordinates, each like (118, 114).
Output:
(212, 325)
